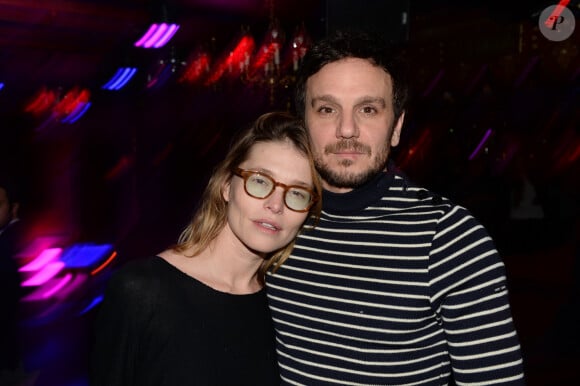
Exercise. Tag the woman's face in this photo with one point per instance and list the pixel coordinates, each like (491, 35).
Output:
(266, 225)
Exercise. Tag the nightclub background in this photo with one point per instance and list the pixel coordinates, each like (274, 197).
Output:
(112, 138)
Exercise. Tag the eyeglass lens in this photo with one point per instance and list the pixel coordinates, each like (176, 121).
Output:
(261, 186)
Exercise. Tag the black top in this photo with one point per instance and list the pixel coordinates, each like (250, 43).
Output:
(159, 326)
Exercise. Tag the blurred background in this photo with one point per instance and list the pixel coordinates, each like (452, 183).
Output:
(113, 113)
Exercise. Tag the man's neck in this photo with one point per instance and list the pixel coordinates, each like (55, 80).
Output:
(16, 219)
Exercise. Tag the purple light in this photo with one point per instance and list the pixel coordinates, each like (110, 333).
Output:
(523, 76)
(45, 274)
(167, 36)
(61, 287)
(57, 287)
(45, 257)
(433, 83)
(157, 35)
(146, 36)
(480, 145)
(477, 78)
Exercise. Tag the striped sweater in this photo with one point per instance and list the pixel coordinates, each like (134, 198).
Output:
(394, 286)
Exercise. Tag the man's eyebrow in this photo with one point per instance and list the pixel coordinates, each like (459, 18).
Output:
(369, 99)
(323, 98)
(360, 101)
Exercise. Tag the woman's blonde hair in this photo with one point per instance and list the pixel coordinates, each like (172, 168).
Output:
(210, 217)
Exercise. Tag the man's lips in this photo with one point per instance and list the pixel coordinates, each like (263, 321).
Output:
(348, 152)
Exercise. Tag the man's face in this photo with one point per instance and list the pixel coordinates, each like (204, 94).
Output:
(5, 209)
(349, 114)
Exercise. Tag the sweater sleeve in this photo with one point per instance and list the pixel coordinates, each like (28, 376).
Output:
(470, 296)
(118, 328)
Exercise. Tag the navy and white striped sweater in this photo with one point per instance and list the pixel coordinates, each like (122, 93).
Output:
(394, 286)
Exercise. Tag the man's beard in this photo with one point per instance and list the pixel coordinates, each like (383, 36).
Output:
(344, 178)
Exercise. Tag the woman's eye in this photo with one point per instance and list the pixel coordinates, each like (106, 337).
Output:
(260, 180)
(299, 194)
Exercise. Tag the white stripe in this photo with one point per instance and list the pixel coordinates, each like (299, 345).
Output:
(370, 255)
(401, 350)
(358, 268)
(341, 300)
(479, 328)
(354, 315)
(458, 252)
(465, 279)
(500, 381)
(367, 232)
(486, 354)
(488, 368)
(489, 283)
(318, 284)
(477, 301)
(482, 341)
(367, 373)
(477, 314)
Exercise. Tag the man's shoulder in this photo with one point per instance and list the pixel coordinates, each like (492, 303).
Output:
(404, 188)
(12, 239)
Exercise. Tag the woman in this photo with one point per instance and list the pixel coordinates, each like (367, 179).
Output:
(197, 313)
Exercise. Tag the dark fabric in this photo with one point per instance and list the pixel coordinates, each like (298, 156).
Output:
(10, 293)
(159, 326)
(395, 285)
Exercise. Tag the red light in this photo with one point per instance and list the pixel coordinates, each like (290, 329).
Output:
(235, 62)
(42, 102)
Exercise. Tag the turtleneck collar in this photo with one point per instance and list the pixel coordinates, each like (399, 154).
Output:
(359, 198)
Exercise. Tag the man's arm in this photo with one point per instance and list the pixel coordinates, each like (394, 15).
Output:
(470, 294)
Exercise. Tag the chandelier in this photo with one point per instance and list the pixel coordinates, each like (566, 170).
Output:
(270, 65)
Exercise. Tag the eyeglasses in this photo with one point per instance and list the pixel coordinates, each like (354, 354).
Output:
(260, 185)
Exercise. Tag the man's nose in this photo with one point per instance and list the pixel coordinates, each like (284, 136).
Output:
(347, 127)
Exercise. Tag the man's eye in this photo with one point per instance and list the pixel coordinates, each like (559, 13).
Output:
(369, 110)
(325, 110)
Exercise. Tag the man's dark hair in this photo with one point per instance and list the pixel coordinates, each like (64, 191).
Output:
(11, 187)
(344, 44)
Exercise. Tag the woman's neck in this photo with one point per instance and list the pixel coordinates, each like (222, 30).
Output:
(223, 265)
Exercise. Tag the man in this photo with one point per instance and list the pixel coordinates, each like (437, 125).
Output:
(10, 355)
(395, 285)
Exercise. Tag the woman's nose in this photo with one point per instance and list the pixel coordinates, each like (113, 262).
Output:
(275, 201)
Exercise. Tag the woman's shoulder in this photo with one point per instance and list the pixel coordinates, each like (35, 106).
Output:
(138, 275)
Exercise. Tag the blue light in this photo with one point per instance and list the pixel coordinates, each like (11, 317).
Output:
(77, 113)
(85, 255)
(120, 79)
(92, 305)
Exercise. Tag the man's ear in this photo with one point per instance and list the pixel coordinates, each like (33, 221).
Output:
(396, 136)
(14, 209)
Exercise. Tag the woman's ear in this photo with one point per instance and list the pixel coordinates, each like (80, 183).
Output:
(226, 190)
